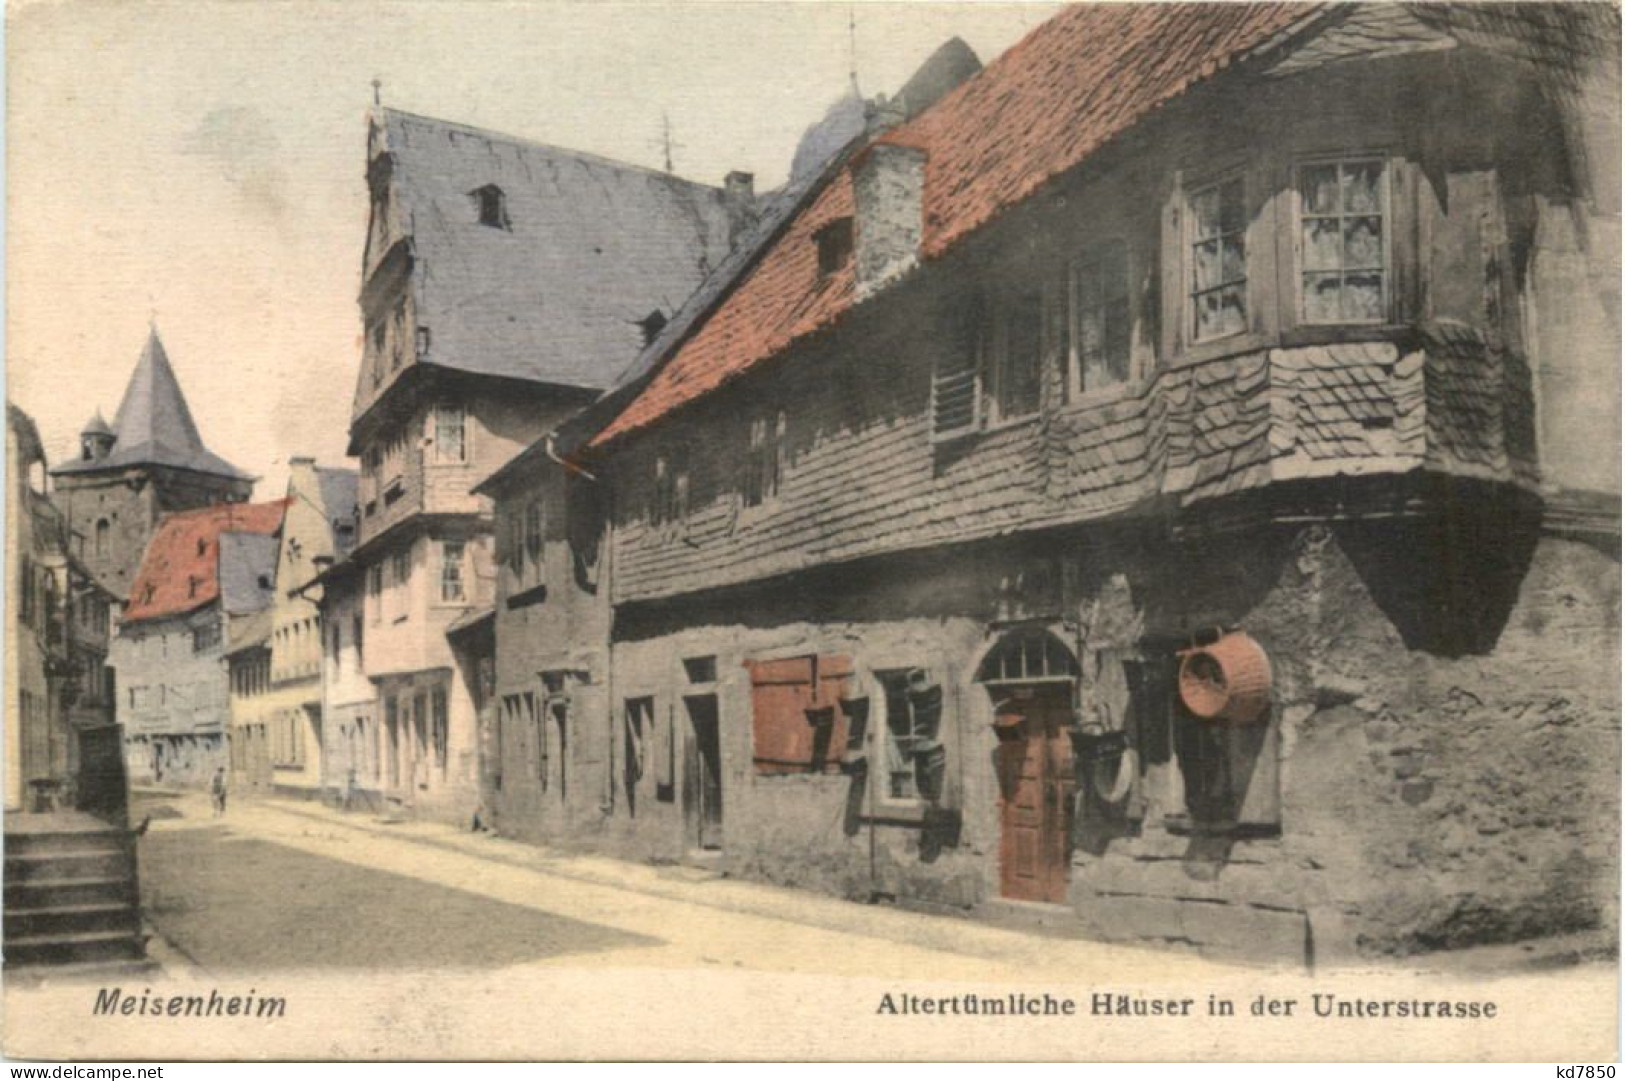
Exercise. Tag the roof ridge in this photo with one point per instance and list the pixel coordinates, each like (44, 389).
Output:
(563, 151)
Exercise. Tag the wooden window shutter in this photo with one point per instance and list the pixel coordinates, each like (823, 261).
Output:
(780, 693)
(797, 725)
(956, 381)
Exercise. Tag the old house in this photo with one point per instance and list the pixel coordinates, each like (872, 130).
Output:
(552, 768)
(276, 638)
(248, 564)
(59, 716)
(505, 282)
(169, 652)
(149, 463)
(1151, 485)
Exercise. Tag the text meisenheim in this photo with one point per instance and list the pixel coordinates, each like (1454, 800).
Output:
(112, 1001)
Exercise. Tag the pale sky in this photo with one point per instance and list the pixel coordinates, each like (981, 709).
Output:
(204, 161)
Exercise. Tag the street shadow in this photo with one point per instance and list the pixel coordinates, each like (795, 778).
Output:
(239, 902)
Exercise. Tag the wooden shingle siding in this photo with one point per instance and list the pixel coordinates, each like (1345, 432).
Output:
(1191, 434)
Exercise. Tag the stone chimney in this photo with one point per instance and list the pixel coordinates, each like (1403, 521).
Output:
(739, 200)
(881, 114)
(888, 184)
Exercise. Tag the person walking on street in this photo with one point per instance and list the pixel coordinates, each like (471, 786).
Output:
(217, 792)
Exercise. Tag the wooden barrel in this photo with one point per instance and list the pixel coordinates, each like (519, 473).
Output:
(1228, 680)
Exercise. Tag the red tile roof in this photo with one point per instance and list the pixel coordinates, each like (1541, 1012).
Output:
(1060, 94)
(181, 570)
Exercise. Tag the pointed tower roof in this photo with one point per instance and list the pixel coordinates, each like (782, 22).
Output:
(97, 426)
(154, 426)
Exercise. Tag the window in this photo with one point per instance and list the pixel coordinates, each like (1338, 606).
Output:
(205, 637)
(956, 381)
(1342, 242)
(670, 490)
(492, 205)
(355, 633)
(762, 460)
(651, 325)
(533, 541)
(1218, 217)
(1102, 326)
(536, 725)
(29, 605)
(104, 530)
(375, 590)
(640, 734)
(1014, 350)
(451, 571)
(400, 567)
(449, 444)
(376, 334)
(438, 729)
(797, 725)
(397, 344)
(392, 737)
(913, 717)
(834, 242)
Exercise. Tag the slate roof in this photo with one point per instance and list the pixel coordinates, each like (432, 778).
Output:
(180, 571)
(337, 489)
(154, 425)
(1059, 95)
(247, 559)
(591, 247)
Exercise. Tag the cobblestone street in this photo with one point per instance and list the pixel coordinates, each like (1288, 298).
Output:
(281, 885)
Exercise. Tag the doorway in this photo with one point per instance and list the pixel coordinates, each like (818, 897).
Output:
(702, 774)
(1036, 787)
(1030, 674)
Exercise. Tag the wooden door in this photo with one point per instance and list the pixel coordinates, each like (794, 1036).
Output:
(1036, 787)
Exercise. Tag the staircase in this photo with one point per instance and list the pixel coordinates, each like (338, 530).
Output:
(72, 898)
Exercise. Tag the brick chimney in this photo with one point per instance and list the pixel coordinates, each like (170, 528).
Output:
(739, 200)
(888, 183)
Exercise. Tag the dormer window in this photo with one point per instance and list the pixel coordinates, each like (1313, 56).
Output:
(493, 206)
(651, 325)
(834, 242)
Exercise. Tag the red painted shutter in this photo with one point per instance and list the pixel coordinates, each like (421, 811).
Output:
(781, 691)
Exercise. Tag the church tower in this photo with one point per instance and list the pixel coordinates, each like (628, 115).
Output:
(149, 462)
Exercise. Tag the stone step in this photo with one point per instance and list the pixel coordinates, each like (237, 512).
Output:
(101, 861)
(80, 971)
(31, 844)
(75, 946)
(26, 921)
(69, 890)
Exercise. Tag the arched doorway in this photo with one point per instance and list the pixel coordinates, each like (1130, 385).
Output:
(1030, 676)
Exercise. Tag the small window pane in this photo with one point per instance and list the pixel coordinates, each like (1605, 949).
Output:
(1320, 297)
(1362, 243)
(1362, 296)
(1207, 265)
(1205, 212)
(1232, 310)
(1362, 188)
(1233, 259)
(1322, 244)
(1207, 315)
(1318, 185)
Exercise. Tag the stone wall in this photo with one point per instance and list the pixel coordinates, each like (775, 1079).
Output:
(1439, 767)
